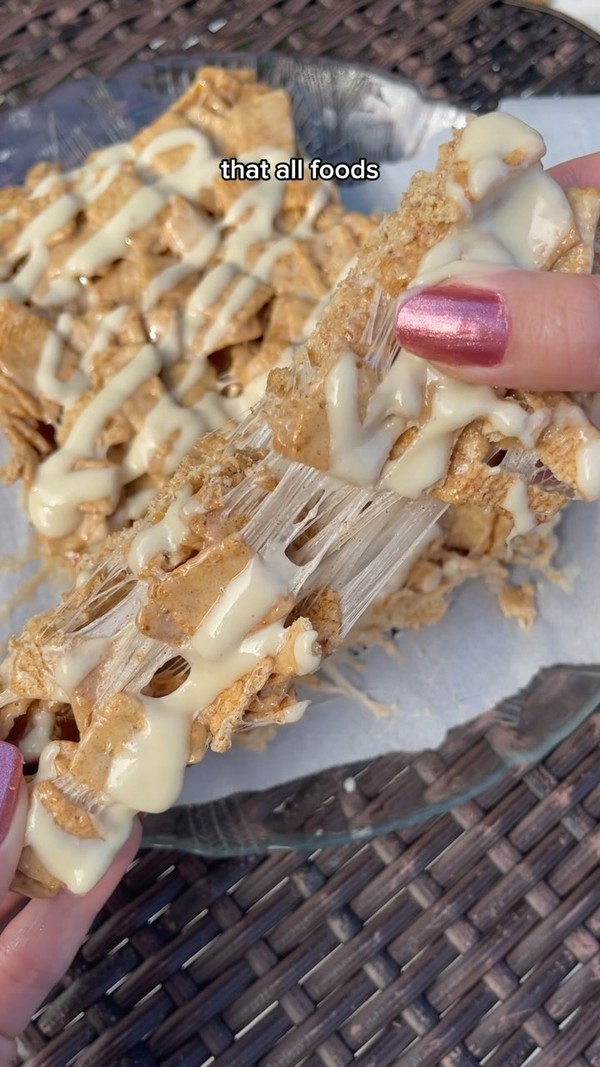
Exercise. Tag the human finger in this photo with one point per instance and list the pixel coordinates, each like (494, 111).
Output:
(518, 329)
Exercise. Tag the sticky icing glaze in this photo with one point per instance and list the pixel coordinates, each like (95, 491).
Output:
(515, 218)
(147, 772)
(492, 145)
(38, 736)
(516, 503)
(163, 536)
(46, 378)
(170, 428)
(58, 489)
(75, 664)
(78, 862)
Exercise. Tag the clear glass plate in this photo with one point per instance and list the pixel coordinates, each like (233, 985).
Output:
(341, 113)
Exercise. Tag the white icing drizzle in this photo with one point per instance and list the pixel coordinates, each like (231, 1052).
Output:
(121, 152)
(254, 390)
(78, 862)
(264, 203)
(90, 181)
(22, 284)
(522, 225)
(194, 260)
(146, 774)
(221, 652)
(38, 735)
(76, 663)
(133, 507)
(211, 412)
(258, 228)
(163, 741)
(199, 170)
(53, 217)
(166, 418)
(454, 405)
(588, 469)
(587, 458)
(492, 145)
(58, 490)
(357, 452)
(306, 655)
(60, 291)
(45, 185)
(163, 536)
(32, 239)
(245, 601)
(294, 712)
(107, 327)
(46, 379)
(517, 220)
(516, 502)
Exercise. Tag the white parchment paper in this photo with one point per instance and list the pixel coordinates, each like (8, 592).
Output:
(442, 675)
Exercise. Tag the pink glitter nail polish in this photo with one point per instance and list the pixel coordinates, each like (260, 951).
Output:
(455, 324)
(11, 770)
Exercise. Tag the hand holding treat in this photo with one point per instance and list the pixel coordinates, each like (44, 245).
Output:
(523, 331)
(37, 939)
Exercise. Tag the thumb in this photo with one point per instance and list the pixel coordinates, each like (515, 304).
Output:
(519, 329)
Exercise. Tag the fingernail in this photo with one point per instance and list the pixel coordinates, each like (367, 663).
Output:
(455, 324)
(11, 769)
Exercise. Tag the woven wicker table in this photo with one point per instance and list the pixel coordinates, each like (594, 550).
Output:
(471, 939)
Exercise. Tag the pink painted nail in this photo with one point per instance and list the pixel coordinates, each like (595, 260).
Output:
(11, 769)
(455, 324)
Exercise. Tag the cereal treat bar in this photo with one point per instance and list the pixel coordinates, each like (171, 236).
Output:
(370, 411)
(143, 300)
(197, 620)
